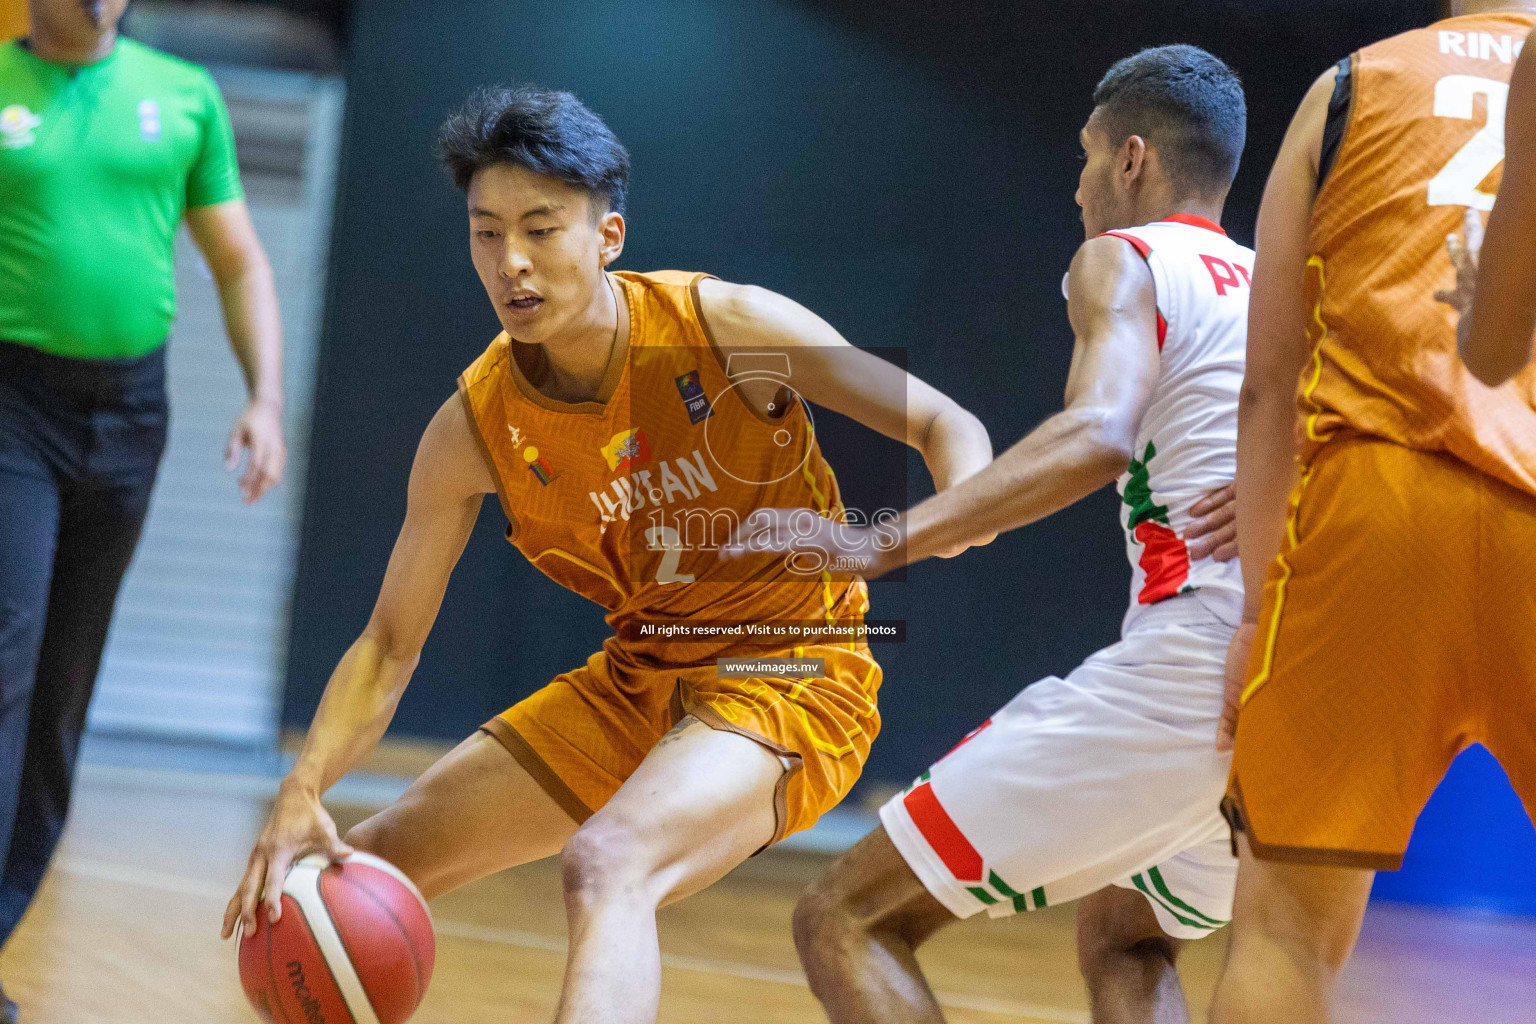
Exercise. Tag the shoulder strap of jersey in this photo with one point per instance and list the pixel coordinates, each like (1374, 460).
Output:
(1142, 246)
(1339, 106)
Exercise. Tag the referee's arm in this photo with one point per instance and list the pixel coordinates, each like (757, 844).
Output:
(227, 238)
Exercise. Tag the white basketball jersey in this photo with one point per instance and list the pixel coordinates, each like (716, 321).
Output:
(1187, 444)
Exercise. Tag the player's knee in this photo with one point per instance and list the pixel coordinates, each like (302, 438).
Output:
(822, 921)
(602, 860)
(1297, 934)
(364, 836)
(1106, 960)
(1117, 934)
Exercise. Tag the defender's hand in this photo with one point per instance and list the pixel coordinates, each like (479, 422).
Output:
(259, 428)
(1465, 248)
(297, 826)
(1214, 531)
(1237, 678)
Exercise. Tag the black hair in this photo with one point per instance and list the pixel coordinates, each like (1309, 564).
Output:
(1185, 102)
(543, 130)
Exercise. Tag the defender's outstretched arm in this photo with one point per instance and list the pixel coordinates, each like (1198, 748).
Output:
(1495, 333)
(448, 481)
(1112, 305)
(832, 373)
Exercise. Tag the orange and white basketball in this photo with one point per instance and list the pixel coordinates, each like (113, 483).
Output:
(354, 945)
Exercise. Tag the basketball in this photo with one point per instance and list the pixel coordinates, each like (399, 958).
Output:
(354, 945)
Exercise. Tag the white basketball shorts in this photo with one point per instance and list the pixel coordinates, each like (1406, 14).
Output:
(1107, 777)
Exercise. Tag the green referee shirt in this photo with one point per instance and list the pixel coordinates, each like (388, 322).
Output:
(97, 165)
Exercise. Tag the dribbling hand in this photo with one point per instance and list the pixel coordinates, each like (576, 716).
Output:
(297, 826)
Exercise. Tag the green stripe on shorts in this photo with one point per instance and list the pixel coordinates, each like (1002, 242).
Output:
(1162, 887)
(981, 894)
(1141, 884)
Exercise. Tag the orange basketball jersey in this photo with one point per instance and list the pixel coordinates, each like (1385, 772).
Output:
(625, 499)
(1422, 140)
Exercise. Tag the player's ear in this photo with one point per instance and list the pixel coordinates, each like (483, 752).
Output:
(610, 230)
(1133, 157)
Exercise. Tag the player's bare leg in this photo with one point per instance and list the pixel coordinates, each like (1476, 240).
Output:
(699, 804)
(473, 813)
(1128, 962)
(1293, 927)
(858, 927)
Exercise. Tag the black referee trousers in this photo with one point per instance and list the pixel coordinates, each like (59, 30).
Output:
(80, 442)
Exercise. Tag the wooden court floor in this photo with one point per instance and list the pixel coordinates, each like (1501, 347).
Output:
(126, 930)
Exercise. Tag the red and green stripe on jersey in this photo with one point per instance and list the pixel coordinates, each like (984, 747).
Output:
(1164, 558)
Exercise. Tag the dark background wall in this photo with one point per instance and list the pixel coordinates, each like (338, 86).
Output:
(904, 169)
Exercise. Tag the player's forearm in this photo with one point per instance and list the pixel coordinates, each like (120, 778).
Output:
(359, 702)
(1495, 335)
(1266, 473)
(1062, 461)
(955, 446)
(248, 295)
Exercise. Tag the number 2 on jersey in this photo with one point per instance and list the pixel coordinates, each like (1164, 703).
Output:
(666, 540)
(1456, 184)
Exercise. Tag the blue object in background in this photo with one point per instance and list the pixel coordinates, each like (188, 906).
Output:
(1473, 846)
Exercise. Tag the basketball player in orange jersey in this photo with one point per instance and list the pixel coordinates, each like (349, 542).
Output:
(603, 413)
(1390, 600)
(1496, 329)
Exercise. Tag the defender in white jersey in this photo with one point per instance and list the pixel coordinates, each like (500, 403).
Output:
(1103, 785)
(1110, 776)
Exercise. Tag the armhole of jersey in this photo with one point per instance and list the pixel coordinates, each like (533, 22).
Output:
(1341, 106)
(513, 527)
(698, 315)
(714, 346)
(1141, 246)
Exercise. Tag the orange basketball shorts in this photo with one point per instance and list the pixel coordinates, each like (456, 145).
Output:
(1398, 628)
(586, 732)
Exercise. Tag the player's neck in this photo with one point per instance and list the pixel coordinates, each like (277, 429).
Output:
(1205, 209)
(60, 46)
(578, 362)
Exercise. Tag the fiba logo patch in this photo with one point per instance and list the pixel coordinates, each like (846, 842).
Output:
(149, 120)
(18, 127)
(694, 398)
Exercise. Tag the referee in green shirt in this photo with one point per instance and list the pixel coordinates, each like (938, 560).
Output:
(105, 145)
